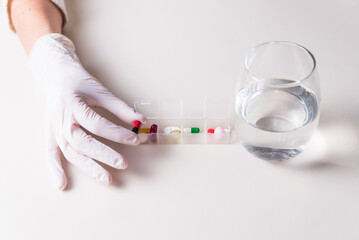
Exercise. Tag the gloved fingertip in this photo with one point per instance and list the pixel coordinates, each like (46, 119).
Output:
(137, 141)
(109, 180)
(141, 118)
(124, 164)
(62, 187)
(120, 163)
(62, 183)
(133, 141)
(105, 178)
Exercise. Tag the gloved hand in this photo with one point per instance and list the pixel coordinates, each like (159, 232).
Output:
(72, 93)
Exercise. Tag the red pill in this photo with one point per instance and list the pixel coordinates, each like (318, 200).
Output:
(153, 133)
(136, 127)
(211, 130)
(137, 124)
(153, 128)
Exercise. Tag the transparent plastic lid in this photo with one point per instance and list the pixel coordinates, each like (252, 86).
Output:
(192, 108)
(217, 108)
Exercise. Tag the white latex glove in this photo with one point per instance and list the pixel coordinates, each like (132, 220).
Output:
(71, 95)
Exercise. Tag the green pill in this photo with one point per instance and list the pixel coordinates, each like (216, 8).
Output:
(191, 130)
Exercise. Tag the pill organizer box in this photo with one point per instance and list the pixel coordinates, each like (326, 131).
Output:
(200, 113)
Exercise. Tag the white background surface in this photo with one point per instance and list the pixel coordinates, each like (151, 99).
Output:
(160, 49)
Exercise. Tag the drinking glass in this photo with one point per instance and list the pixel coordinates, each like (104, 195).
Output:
(277, 100)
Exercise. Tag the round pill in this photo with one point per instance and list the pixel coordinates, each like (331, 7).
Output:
(211, 130)
(219, 130)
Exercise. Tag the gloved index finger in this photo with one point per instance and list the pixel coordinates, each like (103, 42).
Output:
(95, 123)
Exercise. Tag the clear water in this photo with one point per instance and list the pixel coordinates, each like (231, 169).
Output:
(275, 123)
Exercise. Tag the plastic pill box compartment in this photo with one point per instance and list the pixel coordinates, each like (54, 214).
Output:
(190, 113)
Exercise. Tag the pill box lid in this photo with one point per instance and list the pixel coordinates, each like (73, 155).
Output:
(193, 108)
(160, 109)
(218, 108)
(189, 108)
(171, 109)
(149, 108)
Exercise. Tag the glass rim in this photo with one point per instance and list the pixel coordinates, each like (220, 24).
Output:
(263, 80)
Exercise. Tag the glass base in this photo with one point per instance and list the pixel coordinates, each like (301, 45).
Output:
(272, 154)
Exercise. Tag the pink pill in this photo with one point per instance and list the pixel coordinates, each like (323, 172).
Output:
(218, 130)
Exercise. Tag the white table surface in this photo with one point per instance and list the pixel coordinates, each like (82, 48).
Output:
(176, 49)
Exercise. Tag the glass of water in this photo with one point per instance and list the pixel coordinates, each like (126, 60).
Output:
(277, 100)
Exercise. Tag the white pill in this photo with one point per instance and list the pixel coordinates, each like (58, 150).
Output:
(187, 130)
(169, 130)
(218, 130)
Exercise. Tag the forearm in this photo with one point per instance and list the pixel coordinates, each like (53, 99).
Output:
(34, 18)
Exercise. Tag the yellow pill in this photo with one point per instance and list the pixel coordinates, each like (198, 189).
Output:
(171, 130)
(145, 130)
